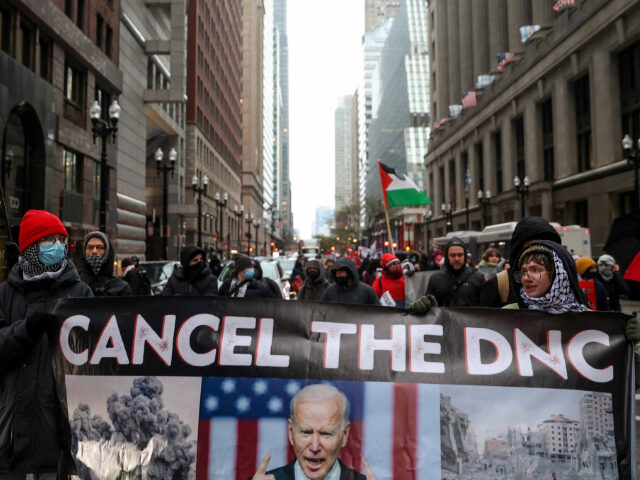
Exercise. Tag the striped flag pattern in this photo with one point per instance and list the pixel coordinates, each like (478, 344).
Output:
(562, 4)
(527, 31)
(484, 80)
(395, 426)
(440, 123)
(469, 99)
(504, 58)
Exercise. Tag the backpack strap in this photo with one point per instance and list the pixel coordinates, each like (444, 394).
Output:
(503, 285)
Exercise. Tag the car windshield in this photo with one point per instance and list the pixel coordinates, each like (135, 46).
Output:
(158, 272)
(287, 265)
(270, 270)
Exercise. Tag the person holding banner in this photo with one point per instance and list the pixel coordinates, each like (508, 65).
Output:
(347, 287)
(33, 438)
(389, 286)
(193, 277)
(318, 429)
(315, 284)
(97, 267)
(244, 283)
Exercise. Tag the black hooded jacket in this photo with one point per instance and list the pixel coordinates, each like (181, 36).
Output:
(31, 426)
(186, 282)
(312, 290)
(456, 288)
(357, 292)
(569, 265)
(527, 229)
(104, 284)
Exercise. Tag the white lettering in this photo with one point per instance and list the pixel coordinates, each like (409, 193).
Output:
(504, 355)
(183, 340)
(418, 348)
(554, 358)
(111, 331)
(575, 355)
(397, 345)
(69, 324)
(163, 346)
(230, 339)
(333, 330)
(264, 358)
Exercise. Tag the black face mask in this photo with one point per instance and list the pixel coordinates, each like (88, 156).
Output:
(313, 274)
(342, 281)
(193, 271)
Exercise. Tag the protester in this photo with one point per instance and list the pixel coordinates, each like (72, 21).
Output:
(330, 262)
(141, 280)
(298, 268)
(548, 280)
(33, 438)
(371, 272)
(215, 264)
(97, 267)
(191, 277)
(133, 277)
(609, 275)
(347, 288)
(488, 266)
(259, 275)
(588, 271)
(501, 289)
(391, 281)
(316, 283)
(458, 284)
(243, 282)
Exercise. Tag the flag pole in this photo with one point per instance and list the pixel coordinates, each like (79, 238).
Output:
(386, 214)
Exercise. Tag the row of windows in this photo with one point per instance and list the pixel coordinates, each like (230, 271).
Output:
(73, 166)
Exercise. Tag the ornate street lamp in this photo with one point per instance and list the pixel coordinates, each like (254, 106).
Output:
(163, 167)
(249, 219)
(239, 212)
(522, 188)
(256, 225)
(484, 199)
(199, 191)
(220, 204)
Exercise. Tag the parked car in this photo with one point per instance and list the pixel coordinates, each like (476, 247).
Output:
(270, 268)
(159, 272)
(287, 265)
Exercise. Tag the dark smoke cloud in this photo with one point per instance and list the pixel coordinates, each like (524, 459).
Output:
(136, 419)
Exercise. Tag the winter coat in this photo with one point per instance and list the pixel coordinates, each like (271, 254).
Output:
(32, 430)
(255, 289)
(384, 283)
(527, 229)
(136, 282)
(615, 287)
(312, 290)
(456, 288)
(357, 292)
(181, 283)
(104, 284)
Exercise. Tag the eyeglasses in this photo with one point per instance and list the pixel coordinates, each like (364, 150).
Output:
(51, 239)
(91, 248)
(534, 274)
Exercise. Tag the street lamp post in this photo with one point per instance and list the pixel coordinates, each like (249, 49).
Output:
(249, 219)
(102, 128)
(522, 188)
(447, 214)
(484, 199)
(466, 207)
(199, 191)
(239, 212)
(428, 216)
(633, 157)
(165, 168)
(220, 204)
(256, 225)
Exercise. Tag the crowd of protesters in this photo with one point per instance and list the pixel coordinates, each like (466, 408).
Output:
(538, 274)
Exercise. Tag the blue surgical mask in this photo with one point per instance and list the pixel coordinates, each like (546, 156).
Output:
(249, 274)
(51, 253)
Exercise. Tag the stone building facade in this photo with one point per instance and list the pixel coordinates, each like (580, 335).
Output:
(557, 114)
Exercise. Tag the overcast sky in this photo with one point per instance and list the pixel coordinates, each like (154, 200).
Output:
(325, 63)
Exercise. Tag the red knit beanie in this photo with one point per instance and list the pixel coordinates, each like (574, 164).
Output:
(37, 224)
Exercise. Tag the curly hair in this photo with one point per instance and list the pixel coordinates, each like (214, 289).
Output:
(539, 254)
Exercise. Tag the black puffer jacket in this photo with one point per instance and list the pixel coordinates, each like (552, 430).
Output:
(186, 282)
(358, 292)
(456, 288)
(527, 229)
(30, 425)
(255, 289)
(104, 284)
(312, 290)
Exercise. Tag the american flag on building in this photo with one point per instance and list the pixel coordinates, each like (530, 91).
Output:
(562, 4)
(469, 99)
(504, 58)
(441, 123)
(395, 426)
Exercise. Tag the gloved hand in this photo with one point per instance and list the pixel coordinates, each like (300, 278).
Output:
(11, 254)
(38, 322)
(632, 329)
(423, 305)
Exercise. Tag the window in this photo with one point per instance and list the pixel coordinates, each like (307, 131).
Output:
(24, 45)
(68, 8)
(74, 84)
(452, 184)
(546, 112)
(629, 67)
(70, 170)
(480, 166)
(583, 123)
(97, 178)
(443, 196)
(45, 58)
(582, 213)
(519, 129)
(104, 99)
(497, 145)
(99, 28)
(465, 168)
(5, 29)
(108, 41)
(80, 15)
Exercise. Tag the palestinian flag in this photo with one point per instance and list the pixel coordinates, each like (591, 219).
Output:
(399, 190)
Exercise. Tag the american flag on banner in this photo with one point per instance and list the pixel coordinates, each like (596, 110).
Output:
(469, 99)
(454, 110)
(504, 58)
(527, 31)
(395, 426)
(562, 4)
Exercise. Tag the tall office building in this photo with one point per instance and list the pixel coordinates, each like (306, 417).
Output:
(557, 114)
(322, 223)
(268, 143)
(372, 44)
(285, 214)
(400, 99)
(153, 42)
(215, 117)
(346, 161)
(561, 436)
(377, 12)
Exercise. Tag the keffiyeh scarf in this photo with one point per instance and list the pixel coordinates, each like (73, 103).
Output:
(240, 291)
(33, 269)
(560, 298)
(96, 262)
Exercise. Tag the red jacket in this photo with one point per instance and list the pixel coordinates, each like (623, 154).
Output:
(384, 282)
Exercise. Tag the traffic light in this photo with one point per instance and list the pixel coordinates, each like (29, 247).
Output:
(407, 248)
(273, 244)
(395, 245)
(386, 243)
(250, 249)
